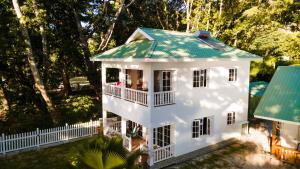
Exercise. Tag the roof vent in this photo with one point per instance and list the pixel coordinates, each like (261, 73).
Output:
(203, 34)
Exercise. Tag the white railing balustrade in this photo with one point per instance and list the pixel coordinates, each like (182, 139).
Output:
(163, 153)
(112, 89)
(164, 98)
(136, 96)
(23, 141)
(127, 142)
(114, 127)
(139, 96)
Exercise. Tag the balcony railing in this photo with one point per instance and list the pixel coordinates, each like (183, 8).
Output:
(287, 154)
(163, 153)
(164, 98)
(136, 96)
(139, 96)
(113, 89)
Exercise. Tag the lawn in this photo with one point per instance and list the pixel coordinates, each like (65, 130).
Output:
(57, 157)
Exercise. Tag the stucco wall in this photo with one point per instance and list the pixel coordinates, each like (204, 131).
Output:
(218, 99)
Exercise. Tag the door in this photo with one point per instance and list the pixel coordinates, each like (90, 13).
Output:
(166, 81)
(162, 136)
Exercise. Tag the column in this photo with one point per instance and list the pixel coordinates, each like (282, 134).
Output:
(150, 86)
(150, 145)
(103, 77)
(105, 125)
(122, 78)
(123, 126)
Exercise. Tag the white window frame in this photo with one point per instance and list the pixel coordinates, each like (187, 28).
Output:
(200, 78)
(232, 74)
(163, 79)
(231, 118)
(199, 129)
(162, 136)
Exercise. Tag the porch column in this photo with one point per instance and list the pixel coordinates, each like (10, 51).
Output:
(122, 79)
(150, 145)
(123, 126)
(103, 77)
(104, 118)
(274, 124)
(150, 87)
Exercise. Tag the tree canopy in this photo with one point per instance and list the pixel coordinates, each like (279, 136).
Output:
(62, 36)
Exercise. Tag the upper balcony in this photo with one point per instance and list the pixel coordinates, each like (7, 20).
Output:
(134, 87)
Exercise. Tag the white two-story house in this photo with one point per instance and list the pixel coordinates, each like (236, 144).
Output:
(174, 92)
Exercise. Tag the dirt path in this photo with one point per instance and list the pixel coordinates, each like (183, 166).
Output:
(249, 153)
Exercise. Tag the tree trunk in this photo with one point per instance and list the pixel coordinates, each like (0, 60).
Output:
(208, 15)
(33, 66)
(92, 74)
(4, 106)
(66, 81)
(221, 7)
(110, 30)
(189, 7)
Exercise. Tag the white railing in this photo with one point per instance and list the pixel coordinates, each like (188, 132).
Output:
(127, 142)
(114, 127)
(23, 141)
(136, 96)
(163, 153)
(112, 89)
(164, 98)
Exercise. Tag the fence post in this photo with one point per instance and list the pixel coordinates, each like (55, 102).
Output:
(67, 132)
(90, 129)
(38, 137)
(3, 144)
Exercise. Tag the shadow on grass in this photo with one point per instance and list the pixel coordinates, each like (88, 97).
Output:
(58, 157)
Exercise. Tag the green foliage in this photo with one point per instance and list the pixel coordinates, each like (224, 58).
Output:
(105, 153)
(78, 108)
(267, 28)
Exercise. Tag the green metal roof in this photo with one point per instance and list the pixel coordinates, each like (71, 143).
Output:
(173, 45)
(258, 88)
(136, 49)
(281, 100)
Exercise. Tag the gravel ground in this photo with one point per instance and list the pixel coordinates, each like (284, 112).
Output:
(249, 153)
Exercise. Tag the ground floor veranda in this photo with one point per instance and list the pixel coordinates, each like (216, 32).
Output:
(156, 142)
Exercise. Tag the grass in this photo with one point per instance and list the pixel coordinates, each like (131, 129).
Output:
(57, 157)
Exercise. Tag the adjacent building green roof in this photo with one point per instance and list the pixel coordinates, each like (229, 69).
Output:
(258, 88)
(281, 100)
(172, 45)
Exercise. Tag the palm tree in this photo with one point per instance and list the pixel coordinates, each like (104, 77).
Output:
(107, 153)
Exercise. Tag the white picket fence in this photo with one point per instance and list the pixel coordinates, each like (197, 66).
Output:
(35, 139)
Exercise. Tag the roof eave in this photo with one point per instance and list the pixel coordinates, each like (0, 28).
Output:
(170, 59)
(275, 119)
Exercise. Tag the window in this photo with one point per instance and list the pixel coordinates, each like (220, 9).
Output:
(200, 78)
(231, 118)
(166, 81)
(232, 74)
(162, 136)
(201, 127)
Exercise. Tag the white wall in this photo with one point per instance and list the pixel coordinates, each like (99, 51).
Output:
(218, 99)
(289, 135)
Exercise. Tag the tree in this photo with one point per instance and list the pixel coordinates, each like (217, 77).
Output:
(107, 153)
(33, 66)
(4, 106)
